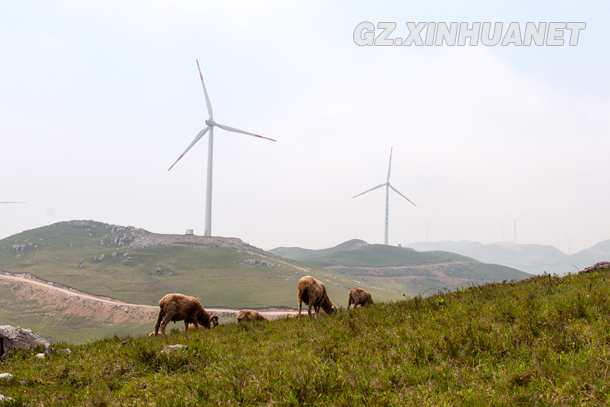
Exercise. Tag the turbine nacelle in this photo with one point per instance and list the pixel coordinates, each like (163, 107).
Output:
(210, 123)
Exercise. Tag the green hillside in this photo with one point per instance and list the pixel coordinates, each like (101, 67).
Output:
(405, 269)
(297, 253)
(539, 341)
(140, 267)
(378, 255)
(220, 276)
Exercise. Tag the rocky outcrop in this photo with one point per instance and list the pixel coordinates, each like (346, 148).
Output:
(14, 338)
(256, 262)
(597, 266)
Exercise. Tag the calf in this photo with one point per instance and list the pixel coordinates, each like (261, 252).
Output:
(358, 296)
(250, 316)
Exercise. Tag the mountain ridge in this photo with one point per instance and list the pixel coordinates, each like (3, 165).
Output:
(531, 258)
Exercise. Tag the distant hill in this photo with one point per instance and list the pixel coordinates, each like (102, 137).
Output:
(297, 253)
(397, 267)
(530, 258)
(140, 267)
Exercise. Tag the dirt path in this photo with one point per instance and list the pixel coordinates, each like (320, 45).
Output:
(406, 267)
(72, 301)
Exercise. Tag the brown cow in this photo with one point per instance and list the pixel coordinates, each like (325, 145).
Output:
(250, 316)
(313, 293)
(358, 296)
(178, 307)
(213, 323)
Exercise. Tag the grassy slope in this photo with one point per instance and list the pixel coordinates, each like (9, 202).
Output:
(377, 255)
(218, 276)
(388, 256)
(297, 253)
(540, 341)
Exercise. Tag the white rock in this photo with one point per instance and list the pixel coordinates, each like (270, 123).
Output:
(170, 348)
(6, 376)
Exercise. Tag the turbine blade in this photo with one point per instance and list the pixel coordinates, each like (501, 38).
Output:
(227, 128)
(378, 186)
(201, 134)
(390, 167)
(207, 99)
(11, 202)
(395, 190)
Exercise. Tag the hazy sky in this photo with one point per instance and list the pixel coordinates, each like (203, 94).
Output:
(99, 98)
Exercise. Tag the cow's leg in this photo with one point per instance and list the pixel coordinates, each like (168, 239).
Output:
(349, 302)
(317, 308)
(309, 311)
(159, 319)
(299, 314)
(166, 320)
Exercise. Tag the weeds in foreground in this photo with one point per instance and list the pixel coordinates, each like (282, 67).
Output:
(541, 341)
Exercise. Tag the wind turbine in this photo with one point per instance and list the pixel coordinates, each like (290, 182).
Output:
(515, 224)
(427, 222)
(387, 197)
(210, 126)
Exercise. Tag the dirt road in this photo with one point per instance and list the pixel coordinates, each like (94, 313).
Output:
(52, 296)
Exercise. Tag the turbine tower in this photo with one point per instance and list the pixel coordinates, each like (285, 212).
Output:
(387, 197)
(210, 126)
(427, 222)
(515, 226)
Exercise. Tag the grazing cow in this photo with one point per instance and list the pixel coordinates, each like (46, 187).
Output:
(358, 296)
(213, 323)
(313, 293)
(250, 316)
(178, 307)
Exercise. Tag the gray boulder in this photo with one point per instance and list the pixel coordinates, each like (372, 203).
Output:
(14, 338)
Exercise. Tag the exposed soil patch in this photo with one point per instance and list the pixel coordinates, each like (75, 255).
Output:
(55, 299)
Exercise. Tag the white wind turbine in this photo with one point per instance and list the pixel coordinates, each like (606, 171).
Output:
(427, 222)
(210, 126)
(515, 226)
(387, 197)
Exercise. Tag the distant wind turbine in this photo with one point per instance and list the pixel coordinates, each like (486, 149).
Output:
(427, 222)
(515, 226)
(210, 126)
(387, 196)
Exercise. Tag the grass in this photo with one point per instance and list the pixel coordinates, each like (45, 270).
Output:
(541, 341)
